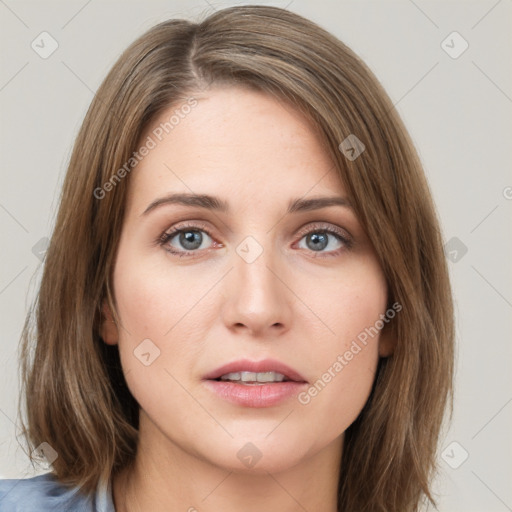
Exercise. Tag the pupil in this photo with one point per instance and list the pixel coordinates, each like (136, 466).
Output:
(319, 241)
(191, 239)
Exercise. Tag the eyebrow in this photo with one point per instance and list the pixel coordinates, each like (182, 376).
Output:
(216, 204)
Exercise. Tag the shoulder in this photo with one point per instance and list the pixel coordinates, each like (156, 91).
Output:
(45, 493)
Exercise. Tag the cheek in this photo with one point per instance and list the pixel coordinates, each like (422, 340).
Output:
(155, 299)
(159, 312)
(341, 385)
(346, 307)
(345, 357)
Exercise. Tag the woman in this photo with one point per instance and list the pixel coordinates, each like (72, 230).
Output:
(245, 302)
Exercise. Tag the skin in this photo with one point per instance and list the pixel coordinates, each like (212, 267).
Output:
(293, 303)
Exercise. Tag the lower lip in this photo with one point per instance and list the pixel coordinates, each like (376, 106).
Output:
(255, 395)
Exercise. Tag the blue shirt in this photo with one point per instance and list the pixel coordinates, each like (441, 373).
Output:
(44, 493)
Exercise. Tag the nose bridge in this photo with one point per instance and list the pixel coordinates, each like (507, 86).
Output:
(257, 297)
(255, 256)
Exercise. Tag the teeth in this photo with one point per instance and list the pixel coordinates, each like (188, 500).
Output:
(254, 377)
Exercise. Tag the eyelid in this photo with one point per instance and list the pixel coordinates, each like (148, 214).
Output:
(195, 225)
(325, 226)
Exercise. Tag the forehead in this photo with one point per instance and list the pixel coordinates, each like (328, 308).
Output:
(238, 139)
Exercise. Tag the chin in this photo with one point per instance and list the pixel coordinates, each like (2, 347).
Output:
(258, 454)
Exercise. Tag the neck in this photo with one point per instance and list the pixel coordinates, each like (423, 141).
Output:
(164, 477)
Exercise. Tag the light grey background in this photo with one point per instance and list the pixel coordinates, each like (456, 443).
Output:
(458, 111)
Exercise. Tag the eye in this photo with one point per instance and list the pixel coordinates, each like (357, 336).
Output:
(320, 237)
(190, 239)
(185, 240)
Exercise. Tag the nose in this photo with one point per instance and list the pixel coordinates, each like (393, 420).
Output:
(257, 297)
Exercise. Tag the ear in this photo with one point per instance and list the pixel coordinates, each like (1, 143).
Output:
(108, 328)
(387, 341)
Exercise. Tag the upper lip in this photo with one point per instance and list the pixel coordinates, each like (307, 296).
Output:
(246, 365)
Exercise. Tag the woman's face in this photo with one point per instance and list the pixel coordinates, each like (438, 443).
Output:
(250, 283)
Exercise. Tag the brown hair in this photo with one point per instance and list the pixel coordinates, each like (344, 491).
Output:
(76, 396)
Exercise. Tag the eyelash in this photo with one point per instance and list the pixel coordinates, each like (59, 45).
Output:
(166, 236)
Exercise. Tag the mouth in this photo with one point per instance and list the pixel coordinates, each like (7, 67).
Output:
(254, 373)
(253, 378)
(256, 384)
